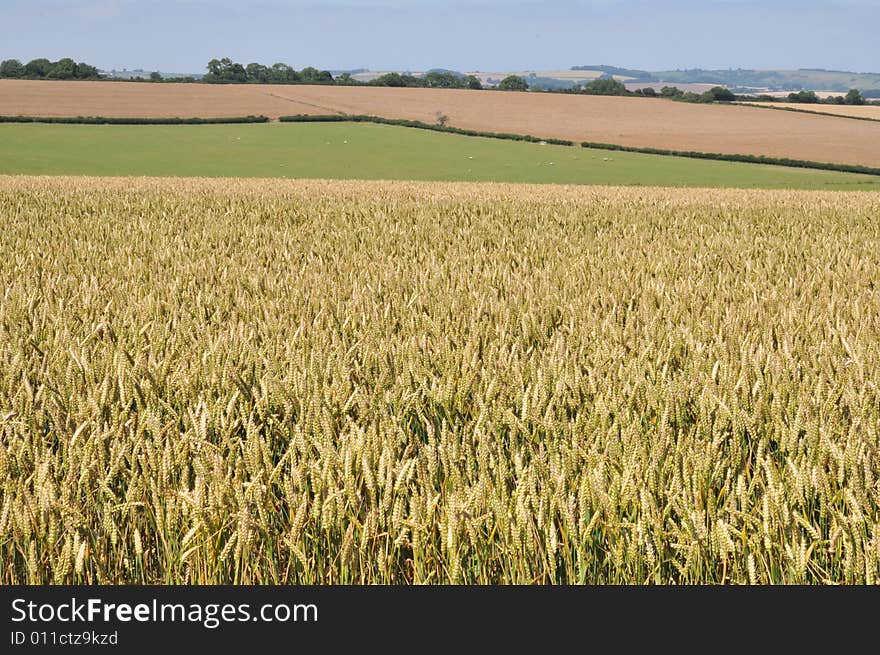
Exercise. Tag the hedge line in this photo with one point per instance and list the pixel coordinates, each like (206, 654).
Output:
(360, 118)
(107, 120)
(747, 159)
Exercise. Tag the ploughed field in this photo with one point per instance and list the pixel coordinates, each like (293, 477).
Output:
(640, 122)
(330, 382)
(369, 151)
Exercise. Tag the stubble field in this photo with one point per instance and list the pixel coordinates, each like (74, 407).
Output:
(316, 382)
(638, 122)
(852, 111)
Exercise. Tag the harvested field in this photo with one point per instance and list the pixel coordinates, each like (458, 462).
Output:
(859, 111)
(275, 382)
(141, 99)
(638, 122)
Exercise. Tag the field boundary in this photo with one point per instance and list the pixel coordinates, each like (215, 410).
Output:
(108, 120)
(797, 110)
(744, 159)
(404, 122)
(400, 122)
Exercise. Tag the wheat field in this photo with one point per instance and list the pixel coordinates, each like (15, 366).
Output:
(281, 382)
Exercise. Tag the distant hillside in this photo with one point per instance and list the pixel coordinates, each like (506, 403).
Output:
(636, 75)
(740, 80)
(446, 70)
(775, 80)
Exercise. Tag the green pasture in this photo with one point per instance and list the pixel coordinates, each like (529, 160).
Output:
(368, 151)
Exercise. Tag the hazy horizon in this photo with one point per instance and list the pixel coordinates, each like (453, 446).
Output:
(181, 36)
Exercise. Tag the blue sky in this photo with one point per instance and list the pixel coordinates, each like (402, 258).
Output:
(182, 35)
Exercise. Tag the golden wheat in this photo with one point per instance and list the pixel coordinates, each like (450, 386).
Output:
(347, 382)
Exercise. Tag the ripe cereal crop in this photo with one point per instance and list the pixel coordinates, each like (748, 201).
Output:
(269, 382)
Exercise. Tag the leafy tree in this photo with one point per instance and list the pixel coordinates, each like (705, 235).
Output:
(854, 97)
(808, 97)
(86, 72)
(513, 83)
(282, 73)
(38, 68)
(605, 86)
(12, 68)
(346, 80)
(398, 80)
(648, 91)
(473, 82)
(258, 73)
(311, 75)
(389, 79)
(237, 73)
(63, 69)
(225, 70)
(156, 76)
(722, 94)
(671, 92)
(215, 68)
(438, 80)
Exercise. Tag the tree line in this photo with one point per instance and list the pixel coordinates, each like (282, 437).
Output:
(853, 97)
(608, 86)
(227, 71)
(43, 69)
(430, 80)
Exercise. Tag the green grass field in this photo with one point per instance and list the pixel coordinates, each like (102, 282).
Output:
(363, 151)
